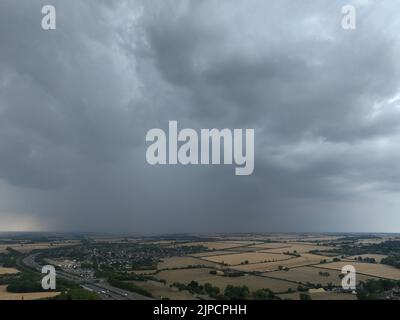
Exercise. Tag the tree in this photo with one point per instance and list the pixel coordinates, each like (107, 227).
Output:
(305, 296)
(211, 290)
(236, 292)
(263, 294)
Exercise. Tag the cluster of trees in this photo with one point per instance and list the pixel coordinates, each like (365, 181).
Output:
(26, 282)
(294, 253)
(29, 281)
(230, 293)
(305, 296)
(366, 259)
(229, 273)
(125, 276)
(390, 247)
(77, 294)
(195, 288)
(373, 288)
(129, 287)
(9, 260)
(393, 260)
(243, 292)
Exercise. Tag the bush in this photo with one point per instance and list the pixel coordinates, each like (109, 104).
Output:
(263, 294)
(236, 292)
(77, 294)
(305, 296)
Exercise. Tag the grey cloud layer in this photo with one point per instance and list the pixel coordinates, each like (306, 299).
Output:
(76, 103)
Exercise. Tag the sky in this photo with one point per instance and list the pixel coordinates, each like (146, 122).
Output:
(76, 104)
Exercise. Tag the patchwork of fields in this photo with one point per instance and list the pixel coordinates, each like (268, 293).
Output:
(290, 266)
(315, 275)
(246, 258)
(28, 247)
(280, 266)
(202, 276)
(370, 269)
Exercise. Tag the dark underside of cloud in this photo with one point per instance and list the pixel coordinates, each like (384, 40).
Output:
(76, 103)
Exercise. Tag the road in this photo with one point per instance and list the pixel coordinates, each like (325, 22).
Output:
(106, 291)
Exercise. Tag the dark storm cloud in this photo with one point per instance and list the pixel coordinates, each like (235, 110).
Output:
(76, 103)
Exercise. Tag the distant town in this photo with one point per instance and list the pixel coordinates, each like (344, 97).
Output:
(200, 267)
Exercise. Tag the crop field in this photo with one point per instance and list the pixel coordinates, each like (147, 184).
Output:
(313, 275)
(162, 291)
(320, 296)
(377, 257)
(372, 269)
(297, 247)
(220, 245)
(304, 260)
(4, 295)
(8, 271)
(28, 247)
(271, 245)
(203, 276)
(250, 257)
(182, 262)
(216, 253)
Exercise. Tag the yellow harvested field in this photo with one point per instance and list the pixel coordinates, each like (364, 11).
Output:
(304, 260)
(320, 296)
(28, 247)
(220, 245)
(300, 248)
(203, 276)
(161, 291)
(271, 245)
(8, 271)
(312, 275)
(372, 269)
(4, 295)
(181, 262)
(377, 257)
(250, 257)
(214, 253)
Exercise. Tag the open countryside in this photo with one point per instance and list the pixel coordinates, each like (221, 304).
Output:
(187, 267)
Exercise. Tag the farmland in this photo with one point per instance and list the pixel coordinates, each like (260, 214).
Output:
(5, 295)
(246, 258)
(24, 247)
(279, 266)
(304, 275)
(203, 276)
(162, 291)
(371, 269)
(291, 262)
(182, 262)
(320, 296)
(8, 271)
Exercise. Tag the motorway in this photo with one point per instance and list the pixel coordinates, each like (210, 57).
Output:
(105, 290)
